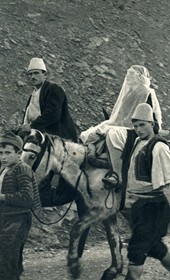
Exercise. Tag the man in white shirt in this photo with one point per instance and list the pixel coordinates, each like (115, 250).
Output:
(47, 107)
(148, 194)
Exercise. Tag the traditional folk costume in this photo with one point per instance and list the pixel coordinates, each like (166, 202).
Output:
(118, 129)
(147, 195)
(47, 108)
(47, 111)
(135, 90)
(149, 171)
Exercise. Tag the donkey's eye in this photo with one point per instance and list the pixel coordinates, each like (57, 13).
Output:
(32, 156)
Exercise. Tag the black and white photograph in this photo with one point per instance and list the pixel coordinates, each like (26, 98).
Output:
(84, 140)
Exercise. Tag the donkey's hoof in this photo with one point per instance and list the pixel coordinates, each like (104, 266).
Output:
(109, 275)
(74, 268)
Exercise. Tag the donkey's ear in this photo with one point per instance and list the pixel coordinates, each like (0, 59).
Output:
(106, 115)
(38, 135)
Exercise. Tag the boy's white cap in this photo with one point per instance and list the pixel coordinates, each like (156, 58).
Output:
(143, 112)
(37, 64)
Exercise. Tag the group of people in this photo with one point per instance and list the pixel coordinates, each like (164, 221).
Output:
(47, 111)
(137, 151)
(140, 156)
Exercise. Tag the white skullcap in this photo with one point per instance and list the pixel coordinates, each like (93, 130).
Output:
(37, 64)
(143, 112)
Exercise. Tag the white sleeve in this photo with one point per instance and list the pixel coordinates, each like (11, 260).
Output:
(117, 136)
(160, 165)
(156, 108)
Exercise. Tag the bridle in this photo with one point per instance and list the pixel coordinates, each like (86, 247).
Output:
(46, 144)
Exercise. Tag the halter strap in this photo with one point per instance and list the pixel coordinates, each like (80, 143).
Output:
(40, 155)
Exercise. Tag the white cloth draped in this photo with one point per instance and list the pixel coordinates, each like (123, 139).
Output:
(135, 90)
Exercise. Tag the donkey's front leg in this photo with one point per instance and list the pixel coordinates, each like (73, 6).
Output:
(114, 241)
(73, 255)
(81, 226)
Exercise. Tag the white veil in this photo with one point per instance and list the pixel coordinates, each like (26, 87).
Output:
(132, 80)
(135, 90)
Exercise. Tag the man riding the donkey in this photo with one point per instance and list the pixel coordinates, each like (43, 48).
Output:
(47, 111)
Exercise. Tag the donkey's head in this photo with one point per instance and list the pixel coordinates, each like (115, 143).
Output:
(32, 147)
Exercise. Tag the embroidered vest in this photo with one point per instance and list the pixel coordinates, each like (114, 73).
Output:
(143, 162)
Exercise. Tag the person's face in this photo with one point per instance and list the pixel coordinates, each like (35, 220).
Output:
(132, 78)
(36, 77)
(8, 156)
(143, 129)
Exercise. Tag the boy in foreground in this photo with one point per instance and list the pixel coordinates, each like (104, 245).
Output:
(16, 200)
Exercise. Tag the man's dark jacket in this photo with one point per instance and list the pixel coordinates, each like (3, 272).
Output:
(55, 117)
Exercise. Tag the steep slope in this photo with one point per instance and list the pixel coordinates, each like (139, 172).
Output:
(88, 46)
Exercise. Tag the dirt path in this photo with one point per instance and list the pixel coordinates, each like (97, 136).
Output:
(52, 265)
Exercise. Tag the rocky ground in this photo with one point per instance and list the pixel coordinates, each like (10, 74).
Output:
(45, 254)
(87, 45)
(52, 265)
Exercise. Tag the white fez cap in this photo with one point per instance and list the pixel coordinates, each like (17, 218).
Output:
(37, 64)
(143, 112)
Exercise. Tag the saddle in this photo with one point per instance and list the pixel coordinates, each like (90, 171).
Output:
(97, 155)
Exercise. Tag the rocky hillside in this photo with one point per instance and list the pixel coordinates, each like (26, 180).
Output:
(87, 45)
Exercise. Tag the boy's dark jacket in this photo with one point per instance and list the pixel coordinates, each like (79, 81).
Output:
(18, 188)
(55, 117)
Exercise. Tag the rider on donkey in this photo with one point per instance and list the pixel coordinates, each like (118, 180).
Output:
(47, 111)
(118, 130)
(47, 107)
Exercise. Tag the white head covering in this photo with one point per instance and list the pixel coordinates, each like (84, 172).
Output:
(37, 64)
(135, 90)
(143, 112)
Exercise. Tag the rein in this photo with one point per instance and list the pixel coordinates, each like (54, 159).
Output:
(111, 190)
(61, 218)
(40, 156)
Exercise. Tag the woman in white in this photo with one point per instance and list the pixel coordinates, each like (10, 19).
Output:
(135, 90)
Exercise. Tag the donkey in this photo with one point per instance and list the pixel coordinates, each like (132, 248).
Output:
(65, 158)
